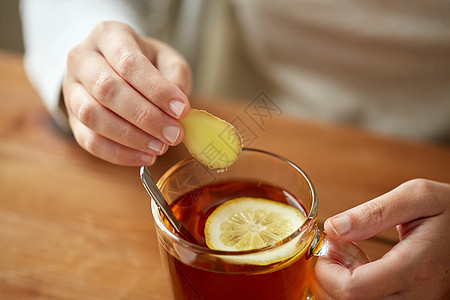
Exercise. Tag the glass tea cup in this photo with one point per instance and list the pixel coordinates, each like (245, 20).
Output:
(197, 272)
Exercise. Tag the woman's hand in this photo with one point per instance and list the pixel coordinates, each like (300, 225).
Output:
(124, 94)
(418, 267)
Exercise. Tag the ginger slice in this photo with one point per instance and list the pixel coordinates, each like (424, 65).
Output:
(211, 140)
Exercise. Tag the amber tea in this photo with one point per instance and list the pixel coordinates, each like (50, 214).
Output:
(279, 280)
(216, 262)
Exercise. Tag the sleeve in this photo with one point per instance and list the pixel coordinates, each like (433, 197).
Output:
(52, 27)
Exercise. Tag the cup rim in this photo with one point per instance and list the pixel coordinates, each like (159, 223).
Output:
(311, 217)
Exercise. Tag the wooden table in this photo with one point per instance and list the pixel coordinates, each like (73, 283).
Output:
(75, 227)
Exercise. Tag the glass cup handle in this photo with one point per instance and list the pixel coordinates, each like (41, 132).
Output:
(346, 253)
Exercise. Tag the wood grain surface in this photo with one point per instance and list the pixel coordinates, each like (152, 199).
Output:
(76, 227)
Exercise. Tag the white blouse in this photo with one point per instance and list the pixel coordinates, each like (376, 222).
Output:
(382, 65)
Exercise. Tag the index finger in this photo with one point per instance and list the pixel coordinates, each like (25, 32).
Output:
(418, 198)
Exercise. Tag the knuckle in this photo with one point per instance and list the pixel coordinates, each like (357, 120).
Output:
(374, 213)
(103, 26)
(184, 76)
(126, 137)
(116, 156)
(103, 86)
(90, 143)
(183, 69)
(127, 62)
(124, 27)
(143, 117)
(86, 113)
(72, 56)
(420, 187)
(427, 192)
(153, 89)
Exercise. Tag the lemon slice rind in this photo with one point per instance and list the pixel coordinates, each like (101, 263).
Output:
(238, 211)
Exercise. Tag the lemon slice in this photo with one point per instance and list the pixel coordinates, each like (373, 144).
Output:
(248, 223)
(211, 140)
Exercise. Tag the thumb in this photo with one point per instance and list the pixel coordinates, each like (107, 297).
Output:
(407, 202)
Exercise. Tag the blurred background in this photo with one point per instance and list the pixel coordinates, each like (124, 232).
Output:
(384, 69)
(10, 29)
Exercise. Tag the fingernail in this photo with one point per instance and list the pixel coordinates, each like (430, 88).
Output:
(156, 145)
(148, 159)
(340, 225)
(171, 133)
(176, 107)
